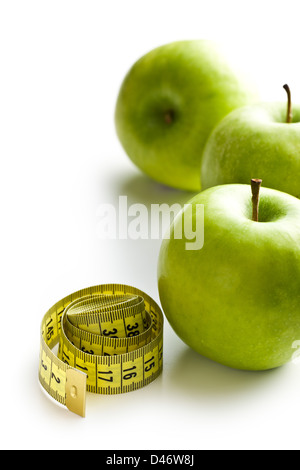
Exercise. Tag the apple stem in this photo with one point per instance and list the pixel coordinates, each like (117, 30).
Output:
(169, 116)
(289, 117)
(255, 186)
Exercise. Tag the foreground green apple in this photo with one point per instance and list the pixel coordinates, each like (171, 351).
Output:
(237, 300)
(258, 139)
(168, 104)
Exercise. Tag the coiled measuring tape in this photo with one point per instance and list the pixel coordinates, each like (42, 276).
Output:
(110, 341)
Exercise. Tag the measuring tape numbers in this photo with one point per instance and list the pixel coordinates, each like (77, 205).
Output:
(110, 341)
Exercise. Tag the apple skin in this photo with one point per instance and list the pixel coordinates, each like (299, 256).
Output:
(196, 84)
(255, 140)
(237, 301)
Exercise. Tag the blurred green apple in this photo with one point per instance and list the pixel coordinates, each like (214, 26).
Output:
(237, 300)
(261, 139)
(170, 101)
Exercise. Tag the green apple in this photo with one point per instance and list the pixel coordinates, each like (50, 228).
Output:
(237, 300)
(259, 139)
(170, 101)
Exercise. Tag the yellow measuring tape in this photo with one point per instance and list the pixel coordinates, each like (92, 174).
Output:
(110, 341)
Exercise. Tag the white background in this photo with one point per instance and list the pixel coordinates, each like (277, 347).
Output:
(61, 66)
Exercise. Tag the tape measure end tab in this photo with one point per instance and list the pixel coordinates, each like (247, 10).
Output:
(76, 391)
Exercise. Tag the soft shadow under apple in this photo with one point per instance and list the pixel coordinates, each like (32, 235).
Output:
(195, 376)
(139, 188)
